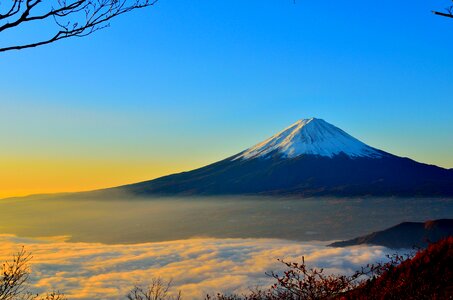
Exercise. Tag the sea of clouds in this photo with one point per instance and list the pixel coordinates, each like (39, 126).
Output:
(196, 266)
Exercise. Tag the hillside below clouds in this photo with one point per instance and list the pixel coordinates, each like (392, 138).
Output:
(309, 158)
(405, 235)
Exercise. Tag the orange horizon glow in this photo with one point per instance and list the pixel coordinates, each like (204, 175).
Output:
(27, 176)
(24, 176)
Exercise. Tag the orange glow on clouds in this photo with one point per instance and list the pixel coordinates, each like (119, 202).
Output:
(197, 266)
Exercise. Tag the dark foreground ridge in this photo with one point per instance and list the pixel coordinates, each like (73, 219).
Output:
(426, 274)
(405, 235)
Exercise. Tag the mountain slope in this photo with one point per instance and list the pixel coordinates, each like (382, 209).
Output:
(405, 235)
(309, 158)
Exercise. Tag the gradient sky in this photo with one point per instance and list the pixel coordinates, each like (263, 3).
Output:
(186, 83)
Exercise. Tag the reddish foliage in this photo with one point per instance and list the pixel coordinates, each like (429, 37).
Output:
(428, 275)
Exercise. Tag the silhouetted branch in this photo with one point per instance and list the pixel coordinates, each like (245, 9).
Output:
(72, 18)
(449, 15)
(158, 289)
(448, 12)
(14, 275)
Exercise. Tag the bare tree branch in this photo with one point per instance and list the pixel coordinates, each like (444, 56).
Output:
(158, 289)
(449, 15)
(448, 12)
(77, 18)
(14, 274)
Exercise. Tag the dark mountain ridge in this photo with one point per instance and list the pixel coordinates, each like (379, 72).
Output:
(309, 158)
(306, 175)
(405, 235)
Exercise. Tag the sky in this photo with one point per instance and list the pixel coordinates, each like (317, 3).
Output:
(186, 83)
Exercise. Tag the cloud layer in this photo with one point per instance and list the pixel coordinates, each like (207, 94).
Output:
(197, 266)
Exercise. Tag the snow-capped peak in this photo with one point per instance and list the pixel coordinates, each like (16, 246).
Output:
(310, 136)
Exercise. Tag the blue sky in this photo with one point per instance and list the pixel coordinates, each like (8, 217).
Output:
(185, 83)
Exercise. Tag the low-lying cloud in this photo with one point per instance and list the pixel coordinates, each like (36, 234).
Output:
(197, 266)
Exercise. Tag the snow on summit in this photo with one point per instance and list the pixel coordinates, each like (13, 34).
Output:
(310, 136)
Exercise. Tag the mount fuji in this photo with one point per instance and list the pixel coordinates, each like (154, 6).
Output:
(309, 158)
(310, 137)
